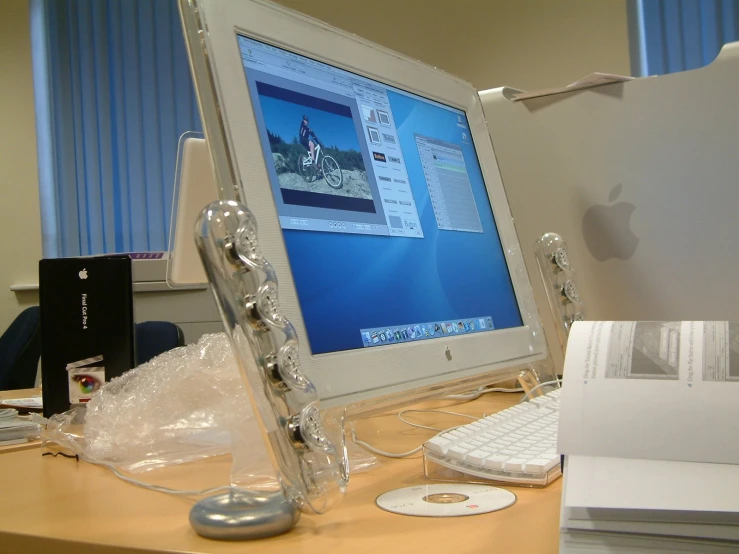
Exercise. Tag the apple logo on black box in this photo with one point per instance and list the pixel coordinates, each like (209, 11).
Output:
(83, 273)
(607, 229)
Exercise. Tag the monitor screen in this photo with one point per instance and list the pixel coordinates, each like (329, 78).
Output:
(384, 212)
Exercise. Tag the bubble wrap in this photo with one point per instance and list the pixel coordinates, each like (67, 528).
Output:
(178, 407)
(187, 404)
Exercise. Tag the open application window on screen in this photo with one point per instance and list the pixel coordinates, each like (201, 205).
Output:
(392, 239)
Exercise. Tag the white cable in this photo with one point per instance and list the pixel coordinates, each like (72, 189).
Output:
(474, 395)
(528, 394)
(387, 454)
(420, 426)
(416, 450)
(477, 393)
(156, 488)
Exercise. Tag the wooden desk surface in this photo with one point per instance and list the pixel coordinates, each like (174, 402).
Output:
(63, 506)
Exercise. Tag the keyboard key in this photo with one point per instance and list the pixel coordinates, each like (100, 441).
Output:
(495, 461)
(514, 464)
(465, 431)
(541, 465)
(476, 457)
(438, 444)
(457, 453)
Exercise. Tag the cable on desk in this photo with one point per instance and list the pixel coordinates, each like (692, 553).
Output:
(475, 394)
(528, 394)
(379, 452)
(132, 481)
(416, 450)
(157, 488)
(55, 454)
(420, 426)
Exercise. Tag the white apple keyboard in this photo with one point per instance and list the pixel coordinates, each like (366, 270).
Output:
(517, 445)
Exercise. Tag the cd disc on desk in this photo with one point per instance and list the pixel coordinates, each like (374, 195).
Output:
(445, 500)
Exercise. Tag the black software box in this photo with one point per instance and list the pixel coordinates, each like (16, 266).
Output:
(87, 327)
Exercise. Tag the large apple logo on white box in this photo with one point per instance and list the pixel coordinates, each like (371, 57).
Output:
(607, 229)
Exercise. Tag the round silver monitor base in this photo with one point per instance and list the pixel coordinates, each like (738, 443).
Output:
(242, 515)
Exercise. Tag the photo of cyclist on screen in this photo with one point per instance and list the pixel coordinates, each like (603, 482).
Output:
(306, 136)
(303, 164)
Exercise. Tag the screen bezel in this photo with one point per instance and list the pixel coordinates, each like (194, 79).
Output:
(228, 118)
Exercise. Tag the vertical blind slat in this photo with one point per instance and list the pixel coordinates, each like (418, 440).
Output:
(121, 97)
(686, 34)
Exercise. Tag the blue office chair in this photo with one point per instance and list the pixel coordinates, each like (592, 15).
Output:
(156, 337)
(20, 351)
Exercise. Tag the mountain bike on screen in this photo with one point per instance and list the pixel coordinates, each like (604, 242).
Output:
(324, 166)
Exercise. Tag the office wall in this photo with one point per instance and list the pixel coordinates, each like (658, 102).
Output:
(526, 44)
(20, 223)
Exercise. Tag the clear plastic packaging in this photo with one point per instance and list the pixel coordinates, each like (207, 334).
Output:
(181, 406)
(187, 404)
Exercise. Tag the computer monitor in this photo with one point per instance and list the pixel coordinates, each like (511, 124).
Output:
(379, 204)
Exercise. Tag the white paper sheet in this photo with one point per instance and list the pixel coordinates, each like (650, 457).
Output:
(32, 402)
(589, 81)
(654, 485)
(652, 391)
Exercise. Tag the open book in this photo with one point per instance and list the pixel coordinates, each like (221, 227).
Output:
(652, 390)
(648, 424)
